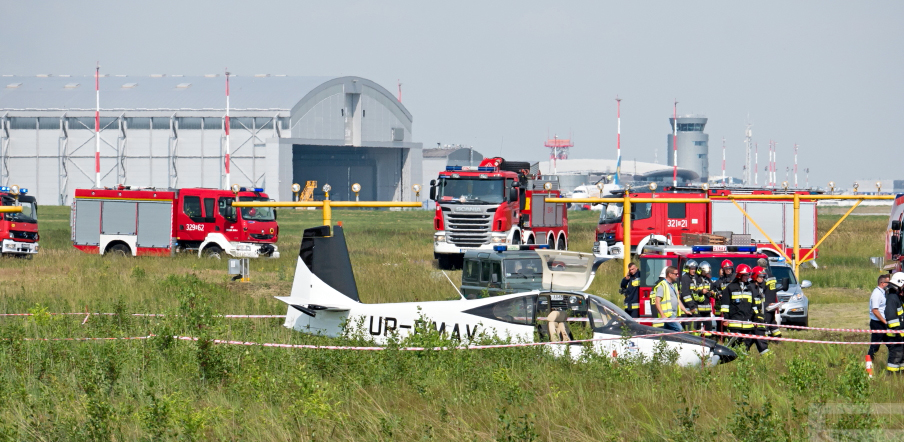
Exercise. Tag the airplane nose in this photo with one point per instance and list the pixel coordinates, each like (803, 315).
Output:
(725, 354)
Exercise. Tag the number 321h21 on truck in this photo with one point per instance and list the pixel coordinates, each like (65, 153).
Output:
(497, 203)
(162, 222)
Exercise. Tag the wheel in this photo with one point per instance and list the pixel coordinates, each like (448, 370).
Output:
(213, 252)
(530, 239)
(516, 239)
(805, 322)
(119, 250)
(551, 242)
(561, 245)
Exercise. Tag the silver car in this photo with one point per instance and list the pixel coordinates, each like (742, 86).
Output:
(796, 307)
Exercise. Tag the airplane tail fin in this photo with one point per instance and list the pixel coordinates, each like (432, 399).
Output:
(326, 257)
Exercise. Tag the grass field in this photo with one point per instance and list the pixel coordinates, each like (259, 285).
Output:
(160, 389)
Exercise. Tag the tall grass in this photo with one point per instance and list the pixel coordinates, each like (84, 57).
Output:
(161, 389)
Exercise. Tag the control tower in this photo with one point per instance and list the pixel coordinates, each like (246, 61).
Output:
(693, 145)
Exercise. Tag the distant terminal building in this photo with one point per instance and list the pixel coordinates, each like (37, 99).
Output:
(575, 172)
(693, 145)
(167, 131)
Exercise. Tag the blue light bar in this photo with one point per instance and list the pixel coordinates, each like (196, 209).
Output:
(258, 189)
(520, 247)
(4, 189)
(242, 189)
(23, 190)
(701, 249)
(453, 167)
(471, 168)
(486, 169)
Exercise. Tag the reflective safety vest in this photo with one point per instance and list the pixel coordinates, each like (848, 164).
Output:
(631, 292)
(894, 313)
(669, 309)
(738, 304)
(701, 299)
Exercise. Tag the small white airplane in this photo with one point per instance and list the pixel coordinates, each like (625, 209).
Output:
(325, 296)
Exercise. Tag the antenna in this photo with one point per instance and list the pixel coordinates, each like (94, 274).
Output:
(756, 165)
(723, 162)
(227, 184)
(97, 127)
(748, 136)
(618, 141)
(400, 90)
(675, 148)
(453, 284)
(795, 165)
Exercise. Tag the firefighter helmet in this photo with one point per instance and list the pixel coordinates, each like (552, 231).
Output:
(727, 263)
(757, 271)
(704, 268)
(662, 274)
(897, 280)
(691, 264)
(743, 269)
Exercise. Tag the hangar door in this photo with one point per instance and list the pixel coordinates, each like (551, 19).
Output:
(340, 167)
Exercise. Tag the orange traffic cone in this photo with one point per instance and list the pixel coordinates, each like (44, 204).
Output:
(869, 366)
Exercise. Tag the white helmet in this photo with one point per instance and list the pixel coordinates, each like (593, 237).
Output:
(662, 274)
(897, 280)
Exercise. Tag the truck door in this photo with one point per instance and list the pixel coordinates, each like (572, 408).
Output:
(643, 221)
(228, 218)
(201, 218)
(676, 221)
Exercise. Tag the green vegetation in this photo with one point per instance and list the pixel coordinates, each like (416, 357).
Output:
(165, 389)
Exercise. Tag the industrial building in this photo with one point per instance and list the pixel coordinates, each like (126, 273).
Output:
(580, 171)
(167, 131)
(693, 145)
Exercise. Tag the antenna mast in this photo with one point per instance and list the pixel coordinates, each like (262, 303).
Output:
(756, 165)
(724, 179)
(400, 90)
(795, 165)
(675, 148)
(748, 135)
(227, 183)
(618, 141)
(96, 127)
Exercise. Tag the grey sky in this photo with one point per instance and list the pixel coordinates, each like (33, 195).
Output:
(824, 74)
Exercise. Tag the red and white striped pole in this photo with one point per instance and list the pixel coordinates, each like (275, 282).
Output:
(756, 164)
(227, 183)
(618, 141)
(97, 127)
(795, 165)
(675, 148)
(724, 179)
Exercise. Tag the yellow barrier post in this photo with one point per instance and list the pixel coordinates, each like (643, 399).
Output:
(10, 209)
(626, 214)
(797, 236)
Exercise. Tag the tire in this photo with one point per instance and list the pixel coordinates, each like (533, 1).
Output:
(516, 240)
(561, 244)
(119, 250)
(213, 252)
(551, 242)
(530, 240)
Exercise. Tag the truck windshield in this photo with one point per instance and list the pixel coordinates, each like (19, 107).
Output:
(470, 190)
(256, 213)
(612, 213)
(523, 267)
(29, 211)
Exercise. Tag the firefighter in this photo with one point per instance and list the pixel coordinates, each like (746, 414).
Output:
(726, 274)
(770, 292)
(894, 316)
(630, 288)
(703, 296)
(688, 285)
(758, 288)
(738, 307)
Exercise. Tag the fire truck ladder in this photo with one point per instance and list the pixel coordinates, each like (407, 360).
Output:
(308, 193)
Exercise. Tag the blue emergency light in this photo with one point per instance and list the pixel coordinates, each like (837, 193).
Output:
(701, 249)
(258, 189)
(4, 189)
(520, 247)
(23, 190)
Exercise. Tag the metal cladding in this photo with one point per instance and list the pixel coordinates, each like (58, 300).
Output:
(168, 131)
(693, 145)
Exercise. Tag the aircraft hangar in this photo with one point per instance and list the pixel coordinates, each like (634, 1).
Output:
(167, 131)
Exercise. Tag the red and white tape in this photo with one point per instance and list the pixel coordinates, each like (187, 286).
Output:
(806, 341)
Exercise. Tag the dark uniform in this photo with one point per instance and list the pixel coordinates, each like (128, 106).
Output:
(688, 285)
(630, 287)
(702, 296)
(738, 304)
(894, 315)
(770, 292)
(759, 308)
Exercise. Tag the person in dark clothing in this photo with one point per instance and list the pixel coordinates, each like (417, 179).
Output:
(688, 285)
(704, 296)
(894, 316)
(630, 288)
(739, 308)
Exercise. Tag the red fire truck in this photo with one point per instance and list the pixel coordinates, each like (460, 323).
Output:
(498, 202)
(665, 223)
(19, 230)
(894, 246)
(144, 221)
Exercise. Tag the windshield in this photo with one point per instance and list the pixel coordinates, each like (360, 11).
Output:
(472, 190)
(602, 312)
(256, 213)
(783, 272)
(29, 212)
(612, 212)
(523, 267)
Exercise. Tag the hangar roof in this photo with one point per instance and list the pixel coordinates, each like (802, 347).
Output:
(156, 92)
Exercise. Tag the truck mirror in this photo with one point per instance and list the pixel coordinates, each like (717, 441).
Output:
(432, 182)
(896, 245)
(786, 282)
(513, 194)
(432, 191)
(516, 184)
(896, 225)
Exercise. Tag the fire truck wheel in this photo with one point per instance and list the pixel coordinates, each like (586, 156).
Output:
(516, 239)
(561, 245)
(213, 251)
(551, 242)
(119, 250)
(530, 239)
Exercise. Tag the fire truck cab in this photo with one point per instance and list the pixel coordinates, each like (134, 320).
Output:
(497, 203)
(19, 231)
(162, 222)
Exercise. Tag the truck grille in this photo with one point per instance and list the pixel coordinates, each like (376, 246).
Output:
(260, 236)
(18, 234)
(468, 229)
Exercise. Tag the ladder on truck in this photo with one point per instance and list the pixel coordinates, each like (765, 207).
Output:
(308, 193)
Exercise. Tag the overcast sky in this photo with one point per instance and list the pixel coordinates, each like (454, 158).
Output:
(828, 75)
